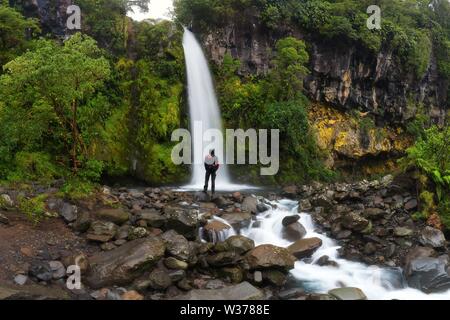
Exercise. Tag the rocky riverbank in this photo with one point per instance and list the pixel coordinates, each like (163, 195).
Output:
(158, 243)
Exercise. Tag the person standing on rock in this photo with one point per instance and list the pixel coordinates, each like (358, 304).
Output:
(211, 166)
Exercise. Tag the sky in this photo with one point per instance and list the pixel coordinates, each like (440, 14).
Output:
(158, 10)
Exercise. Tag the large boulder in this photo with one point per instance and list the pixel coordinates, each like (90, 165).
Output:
(117, 216)
(429, 275)
(305, 248)
(68, 212)
(250, 205)
(270, 256)
(294, 231)
(101, 231)
(290, 220)
(238, 220)
(183, 221)
(240, 244)
(215, 230)
(432, 237)
(124, 264)
(177, 245)
(242, 291)
(153, 218)
(221, 259)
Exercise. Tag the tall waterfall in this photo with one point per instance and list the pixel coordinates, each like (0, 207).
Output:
(204, 110)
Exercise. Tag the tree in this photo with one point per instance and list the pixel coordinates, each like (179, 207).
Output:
(57, 84)
(13, 30)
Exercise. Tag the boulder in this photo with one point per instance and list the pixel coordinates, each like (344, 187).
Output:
(305, 248)
(58, 269)
(68, 212)
(177, 245)
(221, 202)
(117, 216)
(270, 256)
(240, 244)
(374, 213)
(250, 205)
(124, 264)
(238, 220)
(223, 259)
(6, 202)
(153, 218)
(290, 220)
(233, 274)
(411, 205)
(215, 231)
(32, 292)
(242, 291)
(101, 231)
(348, 294)
(262, 207)
(322, 201)
(290, 192)
(137, 233)
(354, 221)
(132, 296)
(83, 222)
(428, 275)
(159, 279)
(184, 222)
(294, 231)
(432, 237)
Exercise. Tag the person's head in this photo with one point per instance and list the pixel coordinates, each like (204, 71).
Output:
(212, 152)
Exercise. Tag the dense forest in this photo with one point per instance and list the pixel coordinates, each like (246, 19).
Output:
(79, 107)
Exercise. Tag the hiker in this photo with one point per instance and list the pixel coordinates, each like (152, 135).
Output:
(211, 166)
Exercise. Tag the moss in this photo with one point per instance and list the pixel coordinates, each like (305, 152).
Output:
(33, 208)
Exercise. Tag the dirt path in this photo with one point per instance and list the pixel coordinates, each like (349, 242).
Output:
(21, 242)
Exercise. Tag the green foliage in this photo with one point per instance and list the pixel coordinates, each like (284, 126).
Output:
(33, 208)
(431, 156)
(13, 30)
(76, 189)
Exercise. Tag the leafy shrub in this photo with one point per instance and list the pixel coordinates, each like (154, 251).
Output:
(33, 208)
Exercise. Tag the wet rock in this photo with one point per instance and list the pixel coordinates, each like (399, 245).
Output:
(305, 248)
(344, 234)
(58, 269)
(177, 245)
(101, 231)
(41, 270)
(240, 244)
(403, 232)
(294, 231)
(184, 222)
(325, 261)
(32, 292)
(370, 248)
(242, 291)
(270, 256)
(201, 197)
(354, 221)
(250, 205)
(3, 219)
(261, 207)
(159, 279)
(68, 212)
(108, 246)
(238, 220)
(432, 237)
(176, 275)
(124, 264)
(290, 220)
(221, 202)
(237, 196)
(216, 226)
(275, 277)
(223, 259)
(322, 201)
(175, 264)
(428, 275)
(123, 232)
(348, 294)
(304, 206)
(116, 216)
(291, 293)
(153, 218)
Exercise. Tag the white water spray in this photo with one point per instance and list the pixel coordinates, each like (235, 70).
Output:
(204, 110)
(377, 283)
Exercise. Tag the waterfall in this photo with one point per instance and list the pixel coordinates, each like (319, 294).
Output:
(204, 109)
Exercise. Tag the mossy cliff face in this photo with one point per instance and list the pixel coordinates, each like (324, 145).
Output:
(353, 138)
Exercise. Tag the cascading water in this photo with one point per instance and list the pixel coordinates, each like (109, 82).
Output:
(377, 283)
(204, 115)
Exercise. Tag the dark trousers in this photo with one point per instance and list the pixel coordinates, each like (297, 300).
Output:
(212, 174)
